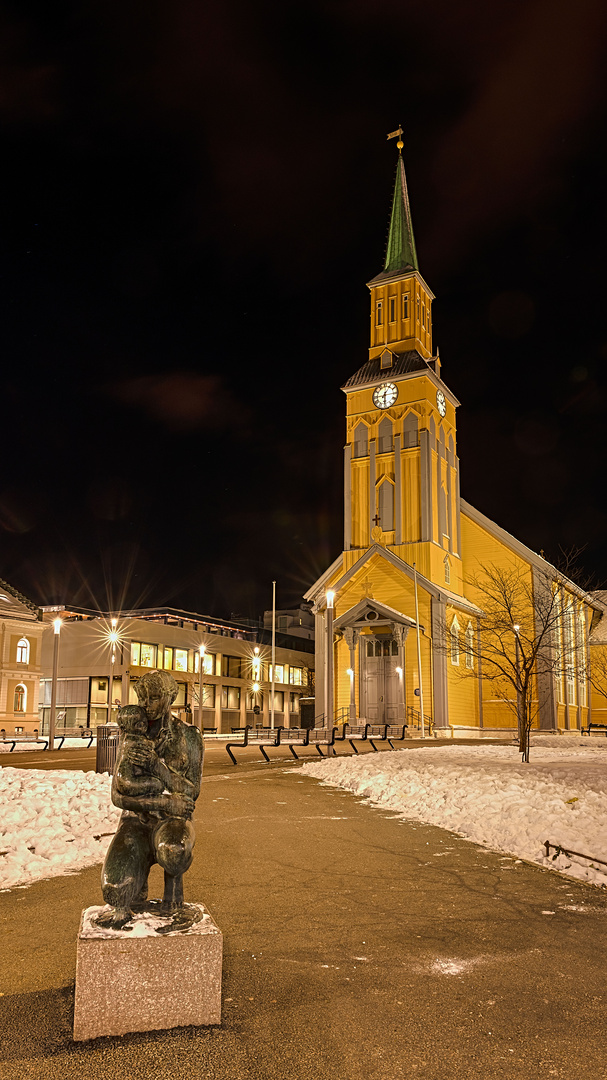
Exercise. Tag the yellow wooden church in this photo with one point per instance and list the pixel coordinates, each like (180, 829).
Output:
(399, 616)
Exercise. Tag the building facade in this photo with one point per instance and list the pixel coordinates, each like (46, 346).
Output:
(401, 614)
(101, 656)
(20, 649)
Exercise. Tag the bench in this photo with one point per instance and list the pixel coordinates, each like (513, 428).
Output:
(210, 731)
(290, 737)
(260, 737)
(586, 730)
(23, 739)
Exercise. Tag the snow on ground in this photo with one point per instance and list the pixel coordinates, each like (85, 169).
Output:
(49, 821)
(25, 744)
(487, 795)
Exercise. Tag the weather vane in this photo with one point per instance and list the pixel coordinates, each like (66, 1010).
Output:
(394, 134)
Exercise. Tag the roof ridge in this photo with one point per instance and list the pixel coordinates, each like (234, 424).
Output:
(19, 596)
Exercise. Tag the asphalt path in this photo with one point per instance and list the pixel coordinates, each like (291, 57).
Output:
(356, 945)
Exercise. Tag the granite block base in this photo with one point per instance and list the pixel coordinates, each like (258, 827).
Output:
(143, 978)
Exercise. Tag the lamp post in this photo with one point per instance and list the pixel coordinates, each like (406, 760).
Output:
(201, 651)
(273, 653)
(113, 637)
(53, 713)
(519, 702)
(329, 707)
(419, 656)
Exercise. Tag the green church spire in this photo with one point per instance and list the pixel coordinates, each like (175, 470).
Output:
(400, 251)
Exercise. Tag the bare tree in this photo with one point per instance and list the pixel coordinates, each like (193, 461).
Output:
(528, 637)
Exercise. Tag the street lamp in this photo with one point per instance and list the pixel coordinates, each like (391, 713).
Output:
(519, 702)
(201, 652)
(329, 707)
(113, 638)
(57, 623)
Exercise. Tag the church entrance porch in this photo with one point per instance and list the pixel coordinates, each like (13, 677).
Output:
(379, 680)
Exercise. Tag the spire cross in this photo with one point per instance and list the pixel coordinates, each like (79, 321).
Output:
(394, 134)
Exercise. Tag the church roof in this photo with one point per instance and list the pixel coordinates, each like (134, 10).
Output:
(403, 364)
(400, 248)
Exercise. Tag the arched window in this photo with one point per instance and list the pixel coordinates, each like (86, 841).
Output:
(20, 698)
(569, 650)
(385, 505)
(469, 646)
(23, 651)
(445, 517)
(411, 430)
(361, 440)
(384, 436)
(583, 658)
(454, 634)
(447, 565)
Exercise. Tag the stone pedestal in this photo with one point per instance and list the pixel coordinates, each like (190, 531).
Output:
(138, 979)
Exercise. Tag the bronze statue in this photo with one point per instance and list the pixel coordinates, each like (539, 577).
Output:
(156, 783)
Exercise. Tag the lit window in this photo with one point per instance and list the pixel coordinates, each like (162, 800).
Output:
(181, 660)
(168, 658)
(208, 664)
(280, 673)
(148, 655)
(469, 646)
(392, 309)
(230, 697)
(20, 698)
(296, 676)
(135, 654)
(454, 634)
(406, 306)
(379, 317)
(23, 651)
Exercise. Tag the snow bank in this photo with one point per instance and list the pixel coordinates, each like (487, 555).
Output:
(485, 794)
(49, 821)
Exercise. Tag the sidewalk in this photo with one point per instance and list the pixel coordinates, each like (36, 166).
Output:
(357, 947)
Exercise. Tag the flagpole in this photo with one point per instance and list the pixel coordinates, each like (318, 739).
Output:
(273, 652)
(419, 655)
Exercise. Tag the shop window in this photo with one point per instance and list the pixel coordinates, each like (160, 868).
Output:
(296, 676)
(230, 697)
(181, 660)
(20, 698)
(23, 651)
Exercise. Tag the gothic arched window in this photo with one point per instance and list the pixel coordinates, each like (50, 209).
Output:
(384, 436)
(454, 635)
(411, 430)
(361, 440)
(469, 646)
(385, 504)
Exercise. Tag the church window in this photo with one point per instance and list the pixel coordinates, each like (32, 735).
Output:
(405, 305)
(392, 309)
(447, 570)
(582, 646)
(385, 505)
(428, 320)
(454, 635)
(411, 430)
(379, 317)
(23, 651)
(469, 646)
(384, 436)
(423, 315)
(20, 698)
(569, 643)
(417, 308)
(361, 440)
(558, 646)
(386, 359)
(445, 522)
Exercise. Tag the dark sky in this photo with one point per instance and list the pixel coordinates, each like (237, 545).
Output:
(193, 196)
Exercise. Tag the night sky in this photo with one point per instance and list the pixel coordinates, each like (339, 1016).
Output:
(193, 196)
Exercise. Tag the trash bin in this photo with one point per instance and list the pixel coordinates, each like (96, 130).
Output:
(107, 747)
(306, 712)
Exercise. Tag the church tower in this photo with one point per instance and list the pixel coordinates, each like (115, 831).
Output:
(401, 471)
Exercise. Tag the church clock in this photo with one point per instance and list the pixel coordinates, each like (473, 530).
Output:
(385, 395)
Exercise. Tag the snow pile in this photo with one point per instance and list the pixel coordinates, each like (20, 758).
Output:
(485, 794)
(49, 821)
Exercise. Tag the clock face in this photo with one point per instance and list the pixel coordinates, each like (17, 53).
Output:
(385, 395)
(441, 404)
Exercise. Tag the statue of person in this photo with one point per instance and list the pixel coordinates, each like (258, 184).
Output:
(156, 783)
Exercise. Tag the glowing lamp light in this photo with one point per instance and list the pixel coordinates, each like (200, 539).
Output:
(399, 670)
(113, 636)
(57, 625)
(256, 650)
(349, 672)
(330, 598)
(255, 687)
(516, 628)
